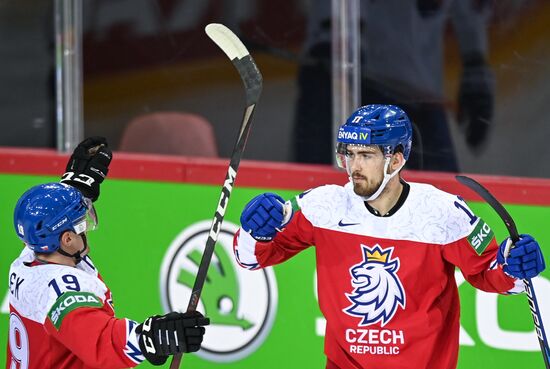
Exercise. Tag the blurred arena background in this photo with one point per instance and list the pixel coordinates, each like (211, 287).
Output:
(152, 82)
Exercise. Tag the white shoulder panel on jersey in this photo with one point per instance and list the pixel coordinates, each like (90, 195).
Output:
(38, 286)
(428, 215)
(324, 206)
(435, 216)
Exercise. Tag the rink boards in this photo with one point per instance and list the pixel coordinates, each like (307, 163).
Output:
(155, 213)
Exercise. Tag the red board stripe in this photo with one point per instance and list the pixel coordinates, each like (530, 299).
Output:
(511, 190)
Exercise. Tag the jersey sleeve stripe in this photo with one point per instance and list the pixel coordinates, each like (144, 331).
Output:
(131, 350)
(243, 248)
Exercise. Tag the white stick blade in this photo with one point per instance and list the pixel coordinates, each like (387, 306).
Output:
(226, 40)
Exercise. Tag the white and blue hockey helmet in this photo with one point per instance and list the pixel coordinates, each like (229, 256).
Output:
(386, 126)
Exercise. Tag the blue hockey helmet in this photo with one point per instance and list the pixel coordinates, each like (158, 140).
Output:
(46, 211)
(384, 125)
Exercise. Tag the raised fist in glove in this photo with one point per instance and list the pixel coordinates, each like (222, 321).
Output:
(476, 101)
(264, 215)
(88, 166)
(170, 334)
(522, 260)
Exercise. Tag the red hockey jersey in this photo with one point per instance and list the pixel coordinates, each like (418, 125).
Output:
(386, 285)
(62, 317)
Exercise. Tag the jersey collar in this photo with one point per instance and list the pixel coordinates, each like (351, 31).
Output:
(397, 206)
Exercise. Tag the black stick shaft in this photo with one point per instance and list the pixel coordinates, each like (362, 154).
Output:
(220, 211)
(252, 80)
(512, 230)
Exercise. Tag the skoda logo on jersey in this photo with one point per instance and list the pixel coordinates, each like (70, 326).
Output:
(377, 290)
(241, 305)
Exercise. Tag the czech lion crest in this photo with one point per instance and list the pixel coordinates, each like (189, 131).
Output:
(377, 290)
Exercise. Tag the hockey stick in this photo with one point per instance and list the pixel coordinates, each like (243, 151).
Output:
(252, 79)
(512, 230)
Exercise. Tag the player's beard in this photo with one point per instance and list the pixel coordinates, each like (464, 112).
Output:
(365, 187)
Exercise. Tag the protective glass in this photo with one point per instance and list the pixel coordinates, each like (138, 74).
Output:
(344, 158)
(90, 221)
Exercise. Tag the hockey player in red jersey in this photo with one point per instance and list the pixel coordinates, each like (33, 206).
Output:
(386, 251)
(61, 311)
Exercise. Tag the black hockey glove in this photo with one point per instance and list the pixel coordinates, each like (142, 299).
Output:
(170, 334)
(88, 166)
(476, 101)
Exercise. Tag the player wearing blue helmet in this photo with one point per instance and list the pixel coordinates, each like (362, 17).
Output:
(47, 214)
(386, 251)
(373, 127)
(61, 310)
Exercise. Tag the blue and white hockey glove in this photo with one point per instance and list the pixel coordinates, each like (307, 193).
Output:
(265, 215)
(522, 260)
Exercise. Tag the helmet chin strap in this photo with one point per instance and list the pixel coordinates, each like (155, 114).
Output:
(385, 181)
(77, 255)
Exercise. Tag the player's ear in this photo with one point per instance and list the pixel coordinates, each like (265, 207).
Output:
(66, 238)
(396, 160)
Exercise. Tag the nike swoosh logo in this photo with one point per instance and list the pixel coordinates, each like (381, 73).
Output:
(342, 224)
